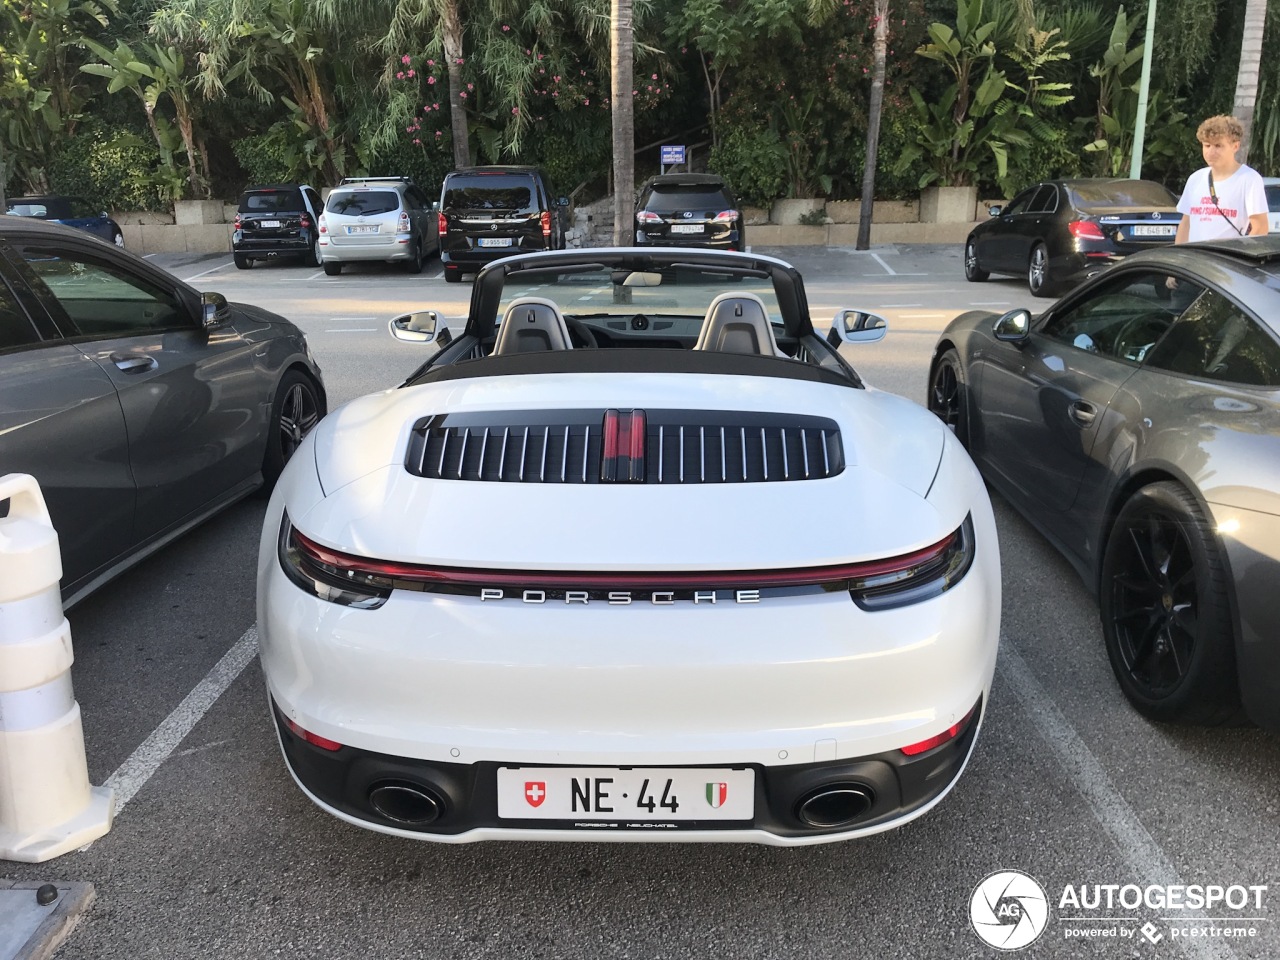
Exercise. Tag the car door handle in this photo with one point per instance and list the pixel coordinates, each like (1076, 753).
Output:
(1082, 412)
(132, 363)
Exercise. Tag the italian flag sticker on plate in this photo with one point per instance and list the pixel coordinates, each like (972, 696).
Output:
(717, 793)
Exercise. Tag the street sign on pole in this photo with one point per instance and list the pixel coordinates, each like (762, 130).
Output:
(671, 154)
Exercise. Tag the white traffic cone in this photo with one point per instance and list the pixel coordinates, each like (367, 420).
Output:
(47, 807)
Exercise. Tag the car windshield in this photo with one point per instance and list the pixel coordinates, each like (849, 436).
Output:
(365, 203)
(1121, 193)
(28, 208)
(620, 298)
(270, 201)
(489, 192)
(669, 199)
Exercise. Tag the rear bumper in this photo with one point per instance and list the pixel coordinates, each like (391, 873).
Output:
(271, 247)
(392, 247)
(733, 240)
(471, 260)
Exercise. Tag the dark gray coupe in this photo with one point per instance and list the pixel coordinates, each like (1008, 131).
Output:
(1136, 423)
(140, 405)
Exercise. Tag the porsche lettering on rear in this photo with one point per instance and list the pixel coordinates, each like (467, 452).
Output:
(622, 597)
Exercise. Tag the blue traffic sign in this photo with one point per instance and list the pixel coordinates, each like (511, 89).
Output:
(672, 154)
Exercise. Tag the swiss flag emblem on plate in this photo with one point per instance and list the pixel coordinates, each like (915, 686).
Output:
(535, 791)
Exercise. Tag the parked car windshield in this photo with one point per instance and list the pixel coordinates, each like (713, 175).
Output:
(270, 201)
(363, 202)
(489, 193)
(669, 199)
(1121, 193)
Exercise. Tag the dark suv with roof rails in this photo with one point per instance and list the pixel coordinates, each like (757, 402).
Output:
(276, 220)
(688, 210)
(491, 212)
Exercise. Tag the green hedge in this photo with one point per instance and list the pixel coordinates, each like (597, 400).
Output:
(110, 168)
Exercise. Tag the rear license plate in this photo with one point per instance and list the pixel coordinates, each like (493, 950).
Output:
(495, 241)
(268, 223)
(636, 794)
(1163, 230)
(372, 228)
(686, 228)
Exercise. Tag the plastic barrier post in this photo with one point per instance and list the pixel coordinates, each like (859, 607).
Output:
(47, 807)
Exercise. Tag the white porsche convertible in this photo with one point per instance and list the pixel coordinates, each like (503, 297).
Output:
(637, 556)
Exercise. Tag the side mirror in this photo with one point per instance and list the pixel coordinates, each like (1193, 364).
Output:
(421, 327)
(995, 210)
(214, 311)
(1013, 326)
(857, 326)
(562, 202)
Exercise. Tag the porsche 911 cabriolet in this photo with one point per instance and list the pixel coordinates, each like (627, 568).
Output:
(636, 556)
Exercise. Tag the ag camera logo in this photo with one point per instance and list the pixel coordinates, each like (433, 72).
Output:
(1008, 910)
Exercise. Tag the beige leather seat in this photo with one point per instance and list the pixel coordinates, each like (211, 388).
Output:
(532, 324)
(738, 323)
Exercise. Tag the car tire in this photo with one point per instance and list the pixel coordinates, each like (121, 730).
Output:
(313, 257)
(414, 263)
(947, 395)
(332, 269)
(972, 272)
(118, 239)
(1166, 610)
(1038, 272)
(242, 262)
(295, 410)
(452, 276)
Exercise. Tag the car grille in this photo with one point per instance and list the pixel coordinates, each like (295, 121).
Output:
(680, 446)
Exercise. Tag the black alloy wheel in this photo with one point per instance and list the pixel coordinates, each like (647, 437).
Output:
(296, 410)
(1038, 272)
(1166, 615)
(972, 272)
(947, 394)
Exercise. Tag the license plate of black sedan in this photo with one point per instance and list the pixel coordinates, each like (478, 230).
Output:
(1153, 230)
(625, 794)
(686, 228)
(495, 241)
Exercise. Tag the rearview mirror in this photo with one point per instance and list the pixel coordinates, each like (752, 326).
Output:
(421, 327)
(857, 326)
(1013, 326)
(214, 310)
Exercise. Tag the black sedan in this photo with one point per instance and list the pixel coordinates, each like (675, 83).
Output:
(70, 211)
(1060, 232)
(140, 405)
(1136, 423)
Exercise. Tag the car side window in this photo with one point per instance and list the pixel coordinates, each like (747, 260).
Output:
(1019, 203)
(317, 205)
(100, 299)
(1217, 340)
(15, 329)
(1045, 201)
(1121, 318)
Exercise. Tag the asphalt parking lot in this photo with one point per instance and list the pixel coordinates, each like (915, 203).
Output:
(215, 852)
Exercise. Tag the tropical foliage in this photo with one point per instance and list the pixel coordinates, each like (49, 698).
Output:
(141, 102)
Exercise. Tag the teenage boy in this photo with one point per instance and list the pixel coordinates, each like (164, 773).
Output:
(1224, 199)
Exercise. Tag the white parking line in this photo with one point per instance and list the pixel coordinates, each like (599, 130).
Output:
(887, 269)
(221, 266)
(352, 319)
(349, 330)
(131, 775)
(1133, 843)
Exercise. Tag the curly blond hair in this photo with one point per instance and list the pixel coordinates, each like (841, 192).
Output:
(1221, 127)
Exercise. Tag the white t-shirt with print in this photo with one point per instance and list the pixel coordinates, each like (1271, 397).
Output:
(1240, 196)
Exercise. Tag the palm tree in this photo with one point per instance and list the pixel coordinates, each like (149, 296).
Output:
(1255, 18)
(623, 115)
(880, 48)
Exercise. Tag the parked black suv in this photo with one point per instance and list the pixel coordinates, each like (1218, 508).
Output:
(277, 220)
(688, 210)
(491, 212)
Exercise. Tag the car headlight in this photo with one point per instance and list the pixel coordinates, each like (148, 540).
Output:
(312, 567)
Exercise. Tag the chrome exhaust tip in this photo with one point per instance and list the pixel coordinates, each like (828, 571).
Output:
(403, 802)
(834, 805)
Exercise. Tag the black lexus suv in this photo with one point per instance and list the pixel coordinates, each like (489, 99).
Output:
(491, 212)
(277, 220)
(688, 209)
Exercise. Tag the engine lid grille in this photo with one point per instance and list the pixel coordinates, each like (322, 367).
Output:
(680, 446)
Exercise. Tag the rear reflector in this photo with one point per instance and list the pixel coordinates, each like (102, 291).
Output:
(313, 738)
(950, 733)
